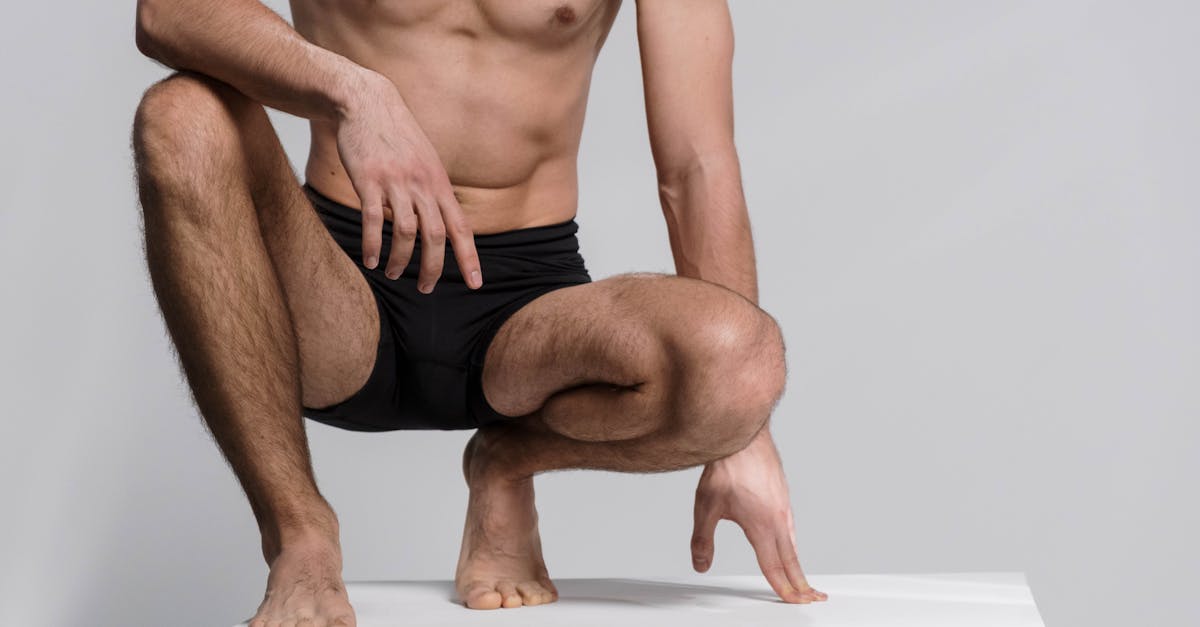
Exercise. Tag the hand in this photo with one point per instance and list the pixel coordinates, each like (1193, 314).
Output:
(750, 489)
(390, 161)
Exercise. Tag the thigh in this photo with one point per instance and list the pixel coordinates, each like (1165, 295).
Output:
(331, 306)
(622, 331)
(331, 303)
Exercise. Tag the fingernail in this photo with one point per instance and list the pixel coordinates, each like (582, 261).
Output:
(475, 280)
(372, 262)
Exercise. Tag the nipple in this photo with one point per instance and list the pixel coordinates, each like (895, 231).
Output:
(564, 14)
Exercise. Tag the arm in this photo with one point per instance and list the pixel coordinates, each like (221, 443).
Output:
(687, 66)
(687, 54)
(246, 45)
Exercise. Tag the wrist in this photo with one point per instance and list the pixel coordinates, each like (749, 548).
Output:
(352, 82)
(359, 87)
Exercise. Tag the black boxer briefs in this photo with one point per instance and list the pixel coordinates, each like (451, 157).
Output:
(429, 360)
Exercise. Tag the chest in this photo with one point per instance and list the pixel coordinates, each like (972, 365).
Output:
(517, 19)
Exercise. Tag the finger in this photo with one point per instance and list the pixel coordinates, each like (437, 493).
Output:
(795, 574)
(771, 564)
(462, 239)
(371, 199)
(791, 536)
(404, 233)
(433, 242)
(791, 526)
(705, 516)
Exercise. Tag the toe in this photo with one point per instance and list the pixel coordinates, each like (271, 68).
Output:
(532, 593)
(551, 591)
(482, 597)
(508, 591)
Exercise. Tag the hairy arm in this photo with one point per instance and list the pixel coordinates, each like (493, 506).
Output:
(687, 55)
(245, 44)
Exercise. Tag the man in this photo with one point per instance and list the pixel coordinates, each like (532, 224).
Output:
(444, 143)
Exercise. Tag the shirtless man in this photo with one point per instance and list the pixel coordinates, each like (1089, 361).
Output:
(444, 144)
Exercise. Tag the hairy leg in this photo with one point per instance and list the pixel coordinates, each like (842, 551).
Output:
(636, 373)
(265, 312)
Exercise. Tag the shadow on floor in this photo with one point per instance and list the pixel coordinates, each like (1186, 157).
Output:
(622, 591)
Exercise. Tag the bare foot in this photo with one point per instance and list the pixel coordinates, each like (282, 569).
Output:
(500, 564)
(305, 587)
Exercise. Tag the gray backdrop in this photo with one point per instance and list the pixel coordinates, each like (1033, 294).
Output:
(975, 221)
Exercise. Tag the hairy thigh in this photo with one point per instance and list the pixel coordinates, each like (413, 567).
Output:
(209, 161)
(623, 331)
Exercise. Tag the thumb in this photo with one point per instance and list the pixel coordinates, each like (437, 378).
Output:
(705, 525)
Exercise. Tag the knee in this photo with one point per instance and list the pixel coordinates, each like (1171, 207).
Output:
(181, 122)
(739, 372)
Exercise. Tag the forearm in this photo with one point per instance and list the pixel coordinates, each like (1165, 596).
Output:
(708, 224)
(245, 44)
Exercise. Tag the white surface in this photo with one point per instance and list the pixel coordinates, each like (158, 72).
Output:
(950, 600)
(977, 223)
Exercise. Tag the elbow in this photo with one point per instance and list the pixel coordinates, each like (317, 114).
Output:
(707, 178)
(676, 175)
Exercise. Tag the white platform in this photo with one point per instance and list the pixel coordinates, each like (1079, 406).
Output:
(949, 600)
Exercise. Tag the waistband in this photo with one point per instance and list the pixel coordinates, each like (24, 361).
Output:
(559, 237)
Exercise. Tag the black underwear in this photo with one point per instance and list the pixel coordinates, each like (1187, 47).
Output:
(431, 346)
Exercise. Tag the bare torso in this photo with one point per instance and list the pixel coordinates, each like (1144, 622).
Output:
(499, 87)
